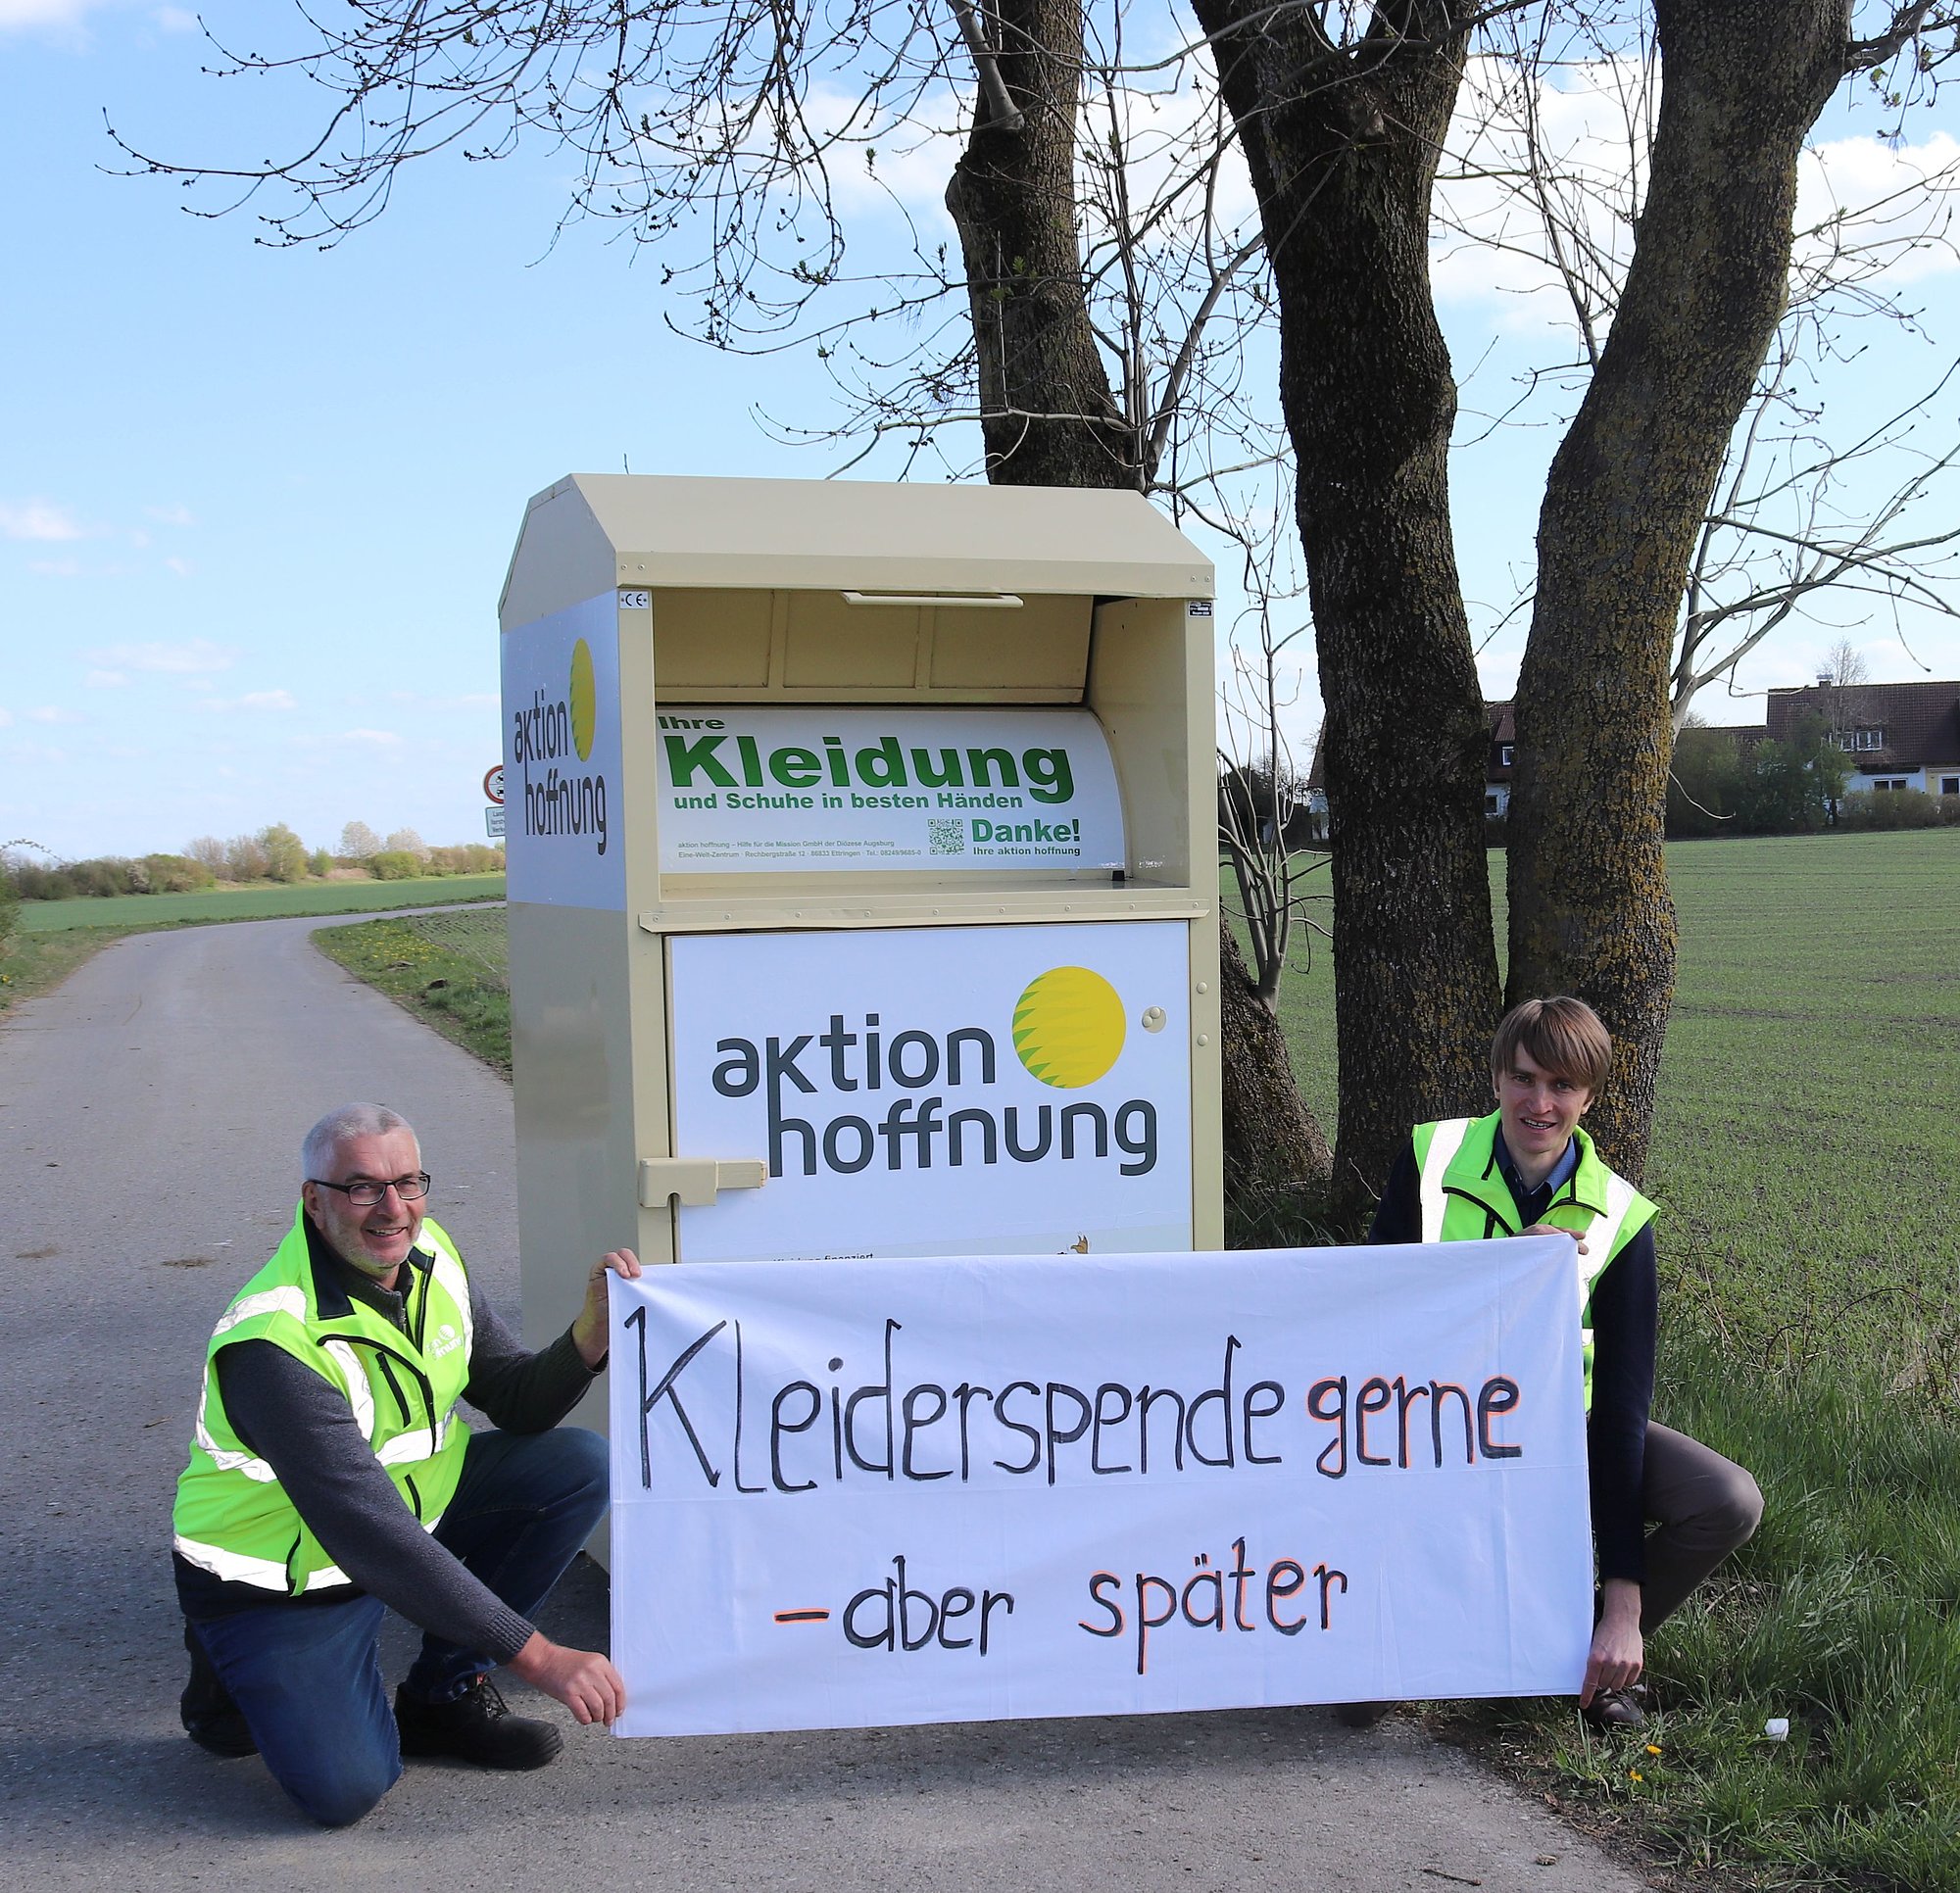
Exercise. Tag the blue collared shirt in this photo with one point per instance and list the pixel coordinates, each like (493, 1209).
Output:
(1532, 1203)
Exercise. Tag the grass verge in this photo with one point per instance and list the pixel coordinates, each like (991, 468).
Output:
(32, 962)
(1843, 1616)
(449, 969)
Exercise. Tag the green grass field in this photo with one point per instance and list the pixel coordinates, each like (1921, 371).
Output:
(142, 912)
(1806, 1156)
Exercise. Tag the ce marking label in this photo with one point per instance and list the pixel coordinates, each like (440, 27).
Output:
(636, 601)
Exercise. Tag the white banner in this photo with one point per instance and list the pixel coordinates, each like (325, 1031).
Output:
(869, 1494)
(773, 789)
(562, 758)
(938, 1091)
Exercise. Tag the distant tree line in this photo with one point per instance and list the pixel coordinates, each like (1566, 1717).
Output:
(1724, 783)
(275, 854)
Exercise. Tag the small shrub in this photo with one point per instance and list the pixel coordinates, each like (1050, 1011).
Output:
(245, 859)
(1894, 808)
(104, 877)
(286, 854)
(394, 864)
(464, 858)
(174, 874)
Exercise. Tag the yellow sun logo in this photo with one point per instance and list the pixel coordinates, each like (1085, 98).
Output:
(1069, 1027)
(585, 698)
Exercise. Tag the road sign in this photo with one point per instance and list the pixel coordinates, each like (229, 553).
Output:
(493, 786)
(493, 820)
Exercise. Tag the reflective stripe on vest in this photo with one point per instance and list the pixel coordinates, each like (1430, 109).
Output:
(1444, 1146)
(360, 1395)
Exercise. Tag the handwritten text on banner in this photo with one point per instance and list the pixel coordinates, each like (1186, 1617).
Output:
(862, 1493)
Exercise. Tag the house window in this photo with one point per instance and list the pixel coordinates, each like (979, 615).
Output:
(1949, 785)
(1504, 753)
(1491, 803)
(1870, 739)
(1890, 782)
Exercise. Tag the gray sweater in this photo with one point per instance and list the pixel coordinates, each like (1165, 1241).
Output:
(302, 1428)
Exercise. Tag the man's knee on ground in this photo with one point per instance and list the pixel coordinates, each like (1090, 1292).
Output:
(1733, 1510)
(341, 1801)
(1745, 1507)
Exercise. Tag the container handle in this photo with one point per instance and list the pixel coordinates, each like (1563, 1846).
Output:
(985, 601)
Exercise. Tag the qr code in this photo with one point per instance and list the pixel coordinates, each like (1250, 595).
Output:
(948, 835)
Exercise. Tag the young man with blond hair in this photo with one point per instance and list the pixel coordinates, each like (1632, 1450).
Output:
(1528, 1169)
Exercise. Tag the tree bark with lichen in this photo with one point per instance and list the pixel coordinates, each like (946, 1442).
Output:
(1741, 84)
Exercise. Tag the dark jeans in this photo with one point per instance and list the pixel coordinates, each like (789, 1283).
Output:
(1703, 1507)
(306, 1677)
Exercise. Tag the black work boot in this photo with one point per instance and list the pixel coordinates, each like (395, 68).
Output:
(475, 1727)
(1612, 1709)
(211, 1719)
(1360, 1715)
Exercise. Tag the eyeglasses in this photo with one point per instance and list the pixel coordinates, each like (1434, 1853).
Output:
(365, 1193)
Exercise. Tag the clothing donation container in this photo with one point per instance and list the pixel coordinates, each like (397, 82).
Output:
(863, 893)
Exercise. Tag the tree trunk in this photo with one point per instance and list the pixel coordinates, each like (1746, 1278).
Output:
(1742, 82)
(1049, 419)
(1277, 1162)
(1342, 145)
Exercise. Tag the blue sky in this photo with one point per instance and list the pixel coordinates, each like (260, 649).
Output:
(255, 504)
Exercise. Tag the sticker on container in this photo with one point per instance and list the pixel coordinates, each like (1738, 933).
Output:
(747, 791)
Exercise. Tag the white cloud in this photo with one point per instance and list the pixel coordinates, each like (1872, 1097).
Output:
(1876, 210)
(194, 655)
(252, 701)
(174, 20)
(374, 738)
(55, 567)
(5, 719)
(52, 713)
(106, 679)
(181, 567)
(1868, 213)
(37, 518)
(1499, 249)
(170, 515)
(17, 14)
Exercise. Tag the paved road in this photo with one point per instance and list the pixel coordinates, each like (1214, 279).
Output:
(150, 1112)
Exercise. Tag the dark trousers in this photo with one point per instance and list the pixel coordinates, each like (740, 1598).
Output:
(1703, 1507)
(307, 1676)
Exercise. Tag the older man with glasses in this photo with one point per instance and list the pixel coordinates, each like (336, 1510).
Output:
(331, 1477)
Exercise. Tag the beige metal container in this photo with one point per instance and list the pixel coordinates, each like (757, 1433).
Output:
(635, 608)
